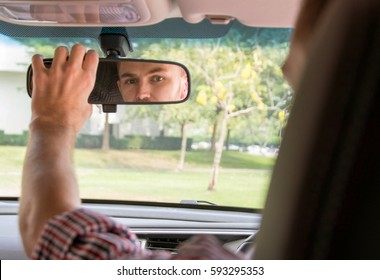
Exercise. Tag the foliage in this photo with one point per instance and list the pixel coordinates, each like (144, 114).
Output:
(246, 63)
(13, 139)
(133, 142)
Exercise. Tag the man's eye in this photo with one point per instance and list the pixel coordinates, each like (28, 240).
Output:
(131, 81)
(157, 78)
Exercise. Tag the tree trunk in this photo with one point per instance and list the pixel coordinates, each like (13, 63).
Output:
(218, 153)
(106, 135)
(213, 136)
(181, 163)
(228, 139)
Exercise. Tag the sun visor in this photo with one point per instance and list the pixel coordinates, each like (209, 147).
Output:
(257, 13)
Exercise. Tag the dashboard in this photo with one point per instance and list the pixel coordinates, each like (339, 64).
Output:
(157, 226)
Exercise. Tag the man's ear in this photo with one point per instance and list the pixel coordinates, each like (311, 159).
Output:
(118, 85)
(184, 88)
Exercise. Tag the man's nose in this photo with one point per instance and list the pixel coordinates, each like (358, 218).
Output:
(143, 92)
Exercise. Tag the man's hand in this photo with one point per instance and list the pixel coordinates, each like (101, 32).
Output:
(204, 247)
(59, 109)
(60, 94)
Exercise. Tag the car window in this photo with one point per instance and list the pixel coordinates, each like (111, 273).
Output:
(232, 123)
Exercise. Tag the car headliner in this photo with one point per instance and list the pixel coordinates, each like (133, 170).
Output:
(174, 19)
(256, 13)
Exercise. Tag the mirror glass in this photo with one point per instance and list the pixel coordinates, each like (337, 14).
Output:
(129, 81)
(134, 81)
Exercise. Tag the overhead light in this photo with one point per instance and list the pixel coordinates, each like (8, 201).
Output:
(74, 13)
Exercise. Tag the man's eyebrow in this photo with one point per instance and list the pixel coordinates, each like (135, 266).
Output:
(128, 75)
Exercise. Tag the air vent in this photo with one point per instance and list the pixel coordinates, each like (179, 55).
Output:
(168, 244)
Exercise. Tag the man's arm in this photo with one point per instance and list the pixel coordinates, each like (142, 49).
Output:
(59, 109)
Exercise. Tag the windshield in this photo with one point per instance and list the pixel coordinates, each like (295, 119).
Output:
(231, 126)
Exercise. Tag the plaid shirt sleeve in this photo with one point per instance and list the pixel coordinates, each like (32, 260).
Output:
(85, 234)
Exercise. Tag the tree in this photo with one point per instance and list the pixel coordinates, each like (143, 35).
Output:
(237, 82)
(232, 81)
(182, 115)
(106, 134)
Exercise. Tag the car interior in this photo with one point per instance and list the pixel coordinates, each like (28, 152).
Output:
(322, 196)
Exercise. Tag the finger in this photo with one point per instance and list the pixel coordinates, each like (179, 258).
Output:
(37, 63)
(77, 55)
(89, 111)
(60, 56)
(91, 61)
(38, 69)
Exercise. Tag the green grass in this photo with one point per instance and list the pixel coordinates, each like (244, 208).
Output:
(11, 158)
(239, 188)
(168, 159)
(152, 176)
(230, 159)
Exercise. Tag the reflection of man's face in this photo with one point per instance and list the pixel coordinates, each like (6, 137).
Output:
(151, 82)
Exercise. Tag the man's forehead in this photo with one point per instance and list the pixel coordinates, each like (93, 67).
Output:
(144, 68)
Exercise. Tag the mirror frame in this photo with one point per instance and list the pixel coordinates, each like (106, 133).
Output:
(48, 61)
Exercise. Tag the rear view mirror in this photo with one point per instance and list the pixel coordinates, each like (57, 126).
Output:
(135, 81)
